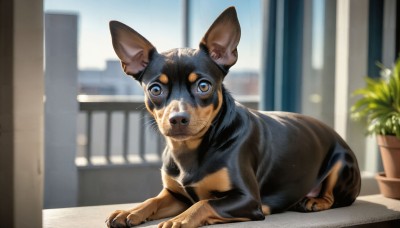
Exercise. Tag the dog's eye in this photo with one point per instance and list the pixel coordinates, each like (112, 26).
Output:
(204, 86)
(155, 90)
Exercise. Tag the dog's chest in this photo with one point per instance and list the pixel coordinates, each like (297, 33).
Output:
(209, 186)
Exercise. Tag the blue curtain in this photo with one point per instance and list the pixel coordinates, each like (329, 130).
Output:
(282, 59)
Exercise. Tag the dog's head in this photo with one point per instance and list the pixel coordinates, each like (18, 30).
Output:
(183, 87)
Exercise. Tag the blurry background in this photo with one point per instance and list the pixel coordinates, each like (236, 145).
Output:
(293, 56)
(79, 134)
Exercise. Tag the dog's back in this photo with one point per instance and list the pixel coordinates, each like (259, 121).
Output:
(292, 155)
(301, 153)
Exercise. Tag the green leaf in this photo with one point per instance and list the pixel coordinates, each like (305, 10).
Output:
(379, 103)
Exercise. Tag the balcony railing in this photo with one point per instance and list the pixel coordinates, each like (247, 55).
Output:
(117, 130)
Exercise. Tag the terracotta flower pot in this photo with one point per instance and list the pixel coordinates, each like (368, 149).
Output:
(389, 147)
(389, 187)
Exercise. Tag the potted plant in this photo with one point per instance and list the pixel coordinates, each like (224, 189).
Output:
(379, 107)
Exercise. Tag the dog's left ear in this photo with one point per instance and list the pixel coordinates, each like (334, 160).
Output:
(133, 49)
(222, 39)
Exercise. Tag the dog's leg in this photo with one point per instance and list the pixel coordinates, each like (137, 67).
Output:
(234, 207)
(325, 200)
(200, 214)
(162, 206)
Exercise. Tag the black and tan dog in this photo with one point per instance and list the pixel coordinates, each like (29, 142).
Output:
(224, 162)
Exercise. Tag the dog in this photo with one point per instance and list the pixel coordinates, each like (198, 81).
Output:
(224, 162)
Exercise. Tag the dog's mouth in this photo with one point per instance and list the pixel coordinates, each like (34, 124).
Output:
(185, 133)
(178, 133)
(180, 137)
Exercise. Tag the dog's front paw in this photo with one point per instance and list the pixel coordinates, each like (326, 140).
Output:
(191, 218)
(121, 218)
(177, 223)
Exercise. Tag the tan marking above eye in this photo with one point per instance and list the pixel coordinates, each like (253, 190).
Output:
(218, 181)
(193, 77)
(163, 79)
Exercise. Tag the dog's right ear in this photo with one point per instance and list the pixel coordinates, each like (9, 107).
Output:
(132, 49)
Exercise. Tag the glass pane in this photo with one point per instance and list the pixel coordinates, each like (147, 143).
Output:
(243, 76)
(99, 70)
(319, 60)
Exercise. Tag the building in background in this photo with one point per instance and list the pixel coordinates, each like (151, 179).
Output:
(110, 81)
(113, 81)
(241, 83)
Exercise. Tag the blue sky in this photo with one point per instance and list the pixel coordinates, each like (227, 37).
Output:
(160, 21)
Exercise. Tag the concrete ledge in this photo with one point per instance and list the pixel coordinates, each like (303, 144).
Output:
(367, 211)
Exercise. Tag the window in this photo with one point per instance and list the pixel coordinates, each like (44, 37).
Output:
(162, 23)
(244, 75)
(318, 74)
(159, 21)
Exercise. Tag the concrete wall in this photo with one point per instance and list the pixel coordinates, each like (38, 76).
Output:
(118, 184)
(61, 110)
(21, 113)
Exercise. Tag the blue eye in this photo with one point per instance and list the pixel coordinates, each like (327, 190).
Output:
(204, 86)
(155, 90)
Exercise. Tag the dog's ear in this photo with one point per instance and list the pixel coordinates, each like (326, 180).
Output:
(132, 49)
(222, 39)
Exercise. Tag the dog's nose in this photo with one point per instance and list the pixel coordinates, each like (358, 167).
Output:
(179, 118)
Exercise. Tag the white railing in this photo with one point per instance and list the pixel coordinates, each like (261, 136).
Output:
(115, 130)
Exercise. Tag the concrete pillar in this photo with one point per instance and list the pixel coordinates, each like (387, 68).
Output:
(61, 110)
(21, 113)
